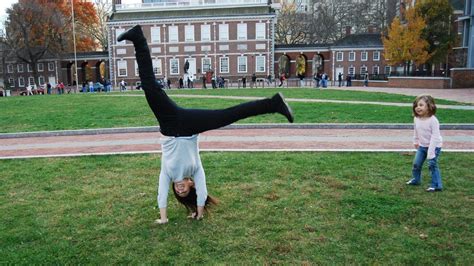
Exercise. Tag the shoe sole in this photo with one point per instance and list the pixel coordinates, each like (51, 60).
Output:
(288, 108)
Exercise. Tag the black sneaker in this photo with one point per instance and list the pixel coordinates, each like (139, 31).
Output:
(283, 107)
(132, 34)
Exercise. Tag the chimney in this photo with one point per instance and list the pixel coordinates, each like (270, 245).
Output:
(348, 30)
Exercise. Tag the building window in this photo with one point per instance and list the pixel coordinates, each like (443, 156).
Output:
(51, 66)
(352, 56)
(242, 67)
(189, 33)
(28, 68)
(11, 81)
(376, 56)
(363, 70)
(174, 66)
(223, 32)
(117, 33)
(157, 66)
(137, 71)
(122, 68)
(40, 67)
(387, 70)
(224, 64)
(31, 81)
(155, 34)
(260, 31)
(260, 63)
(339, 56)
(375, 70)
(21, 82)
(10, 68)
(20, 68)
(242, 31)
(363, 56)
(205, 33)
(351, 71)
(206, 64)
(173, 33)
(41, 80)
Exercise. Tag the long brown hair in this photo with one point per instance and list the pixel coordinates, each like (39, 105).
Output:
(190, 201)
(430, 103)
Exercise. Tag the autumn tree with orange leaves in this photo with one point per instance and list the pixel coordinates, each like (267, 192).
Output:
(35, 28)
(404, 43)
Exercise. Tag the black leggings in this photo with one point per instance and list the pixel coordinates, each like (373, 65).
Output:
(177, 121)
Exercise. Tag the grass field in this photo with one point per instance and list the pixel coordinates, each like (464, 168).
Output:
(291, 208)
(61, 112)
(286, 208)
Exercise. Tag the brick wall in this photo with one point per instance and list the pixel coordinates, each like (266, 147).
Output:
(419, 82)
(462, 77)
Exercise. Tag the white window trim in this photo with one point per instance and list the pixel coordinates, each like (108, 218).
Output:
(260, 28)
(242, 31)
(117, 33)
(171, 66)
(29, 68)
(137, 72)
(12, 82)
(378, 70)
(349, 70)
(31, 80)
(40, 67)
(172, 32)
(189, 33)
(119, 64)
(155, 34)
(363, 72)
(207, 31)
(41, 80)
(256, 63)
(220, 64)
(378, 56)
(21, 82)
(238, 64)
(50, 66)
(202, 64)
(10, 68)
(353, 56)
(362, 56)
(20, 66)
(337, 56)
(223, 32)
(157, 65)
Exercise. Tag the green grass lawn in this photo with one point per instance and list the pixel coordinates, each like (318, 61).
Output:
(286, 208)
(61, 112)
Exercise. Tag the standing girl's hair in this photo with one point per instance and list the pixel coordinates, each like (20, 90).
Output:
(430, 102)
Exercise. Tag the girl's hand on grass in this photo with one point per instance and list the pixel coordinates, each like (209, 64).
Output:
(192, 215)
(160, 221)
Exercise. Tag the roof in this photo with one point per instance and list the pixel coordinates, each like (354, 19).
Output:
(361, 40)
(203, 13)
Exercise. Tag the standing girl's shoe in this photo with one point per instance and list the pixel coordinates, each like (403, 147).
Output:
(427, 140)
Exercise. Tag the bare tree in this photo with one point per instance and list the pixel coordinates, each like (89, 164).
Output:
(291, 27)
(99, 31)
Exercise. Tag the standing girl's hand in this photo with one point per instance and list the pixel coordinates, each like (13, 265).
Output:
(416, 145)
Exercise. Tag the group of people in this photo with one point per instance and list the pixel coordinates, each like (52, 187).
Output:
(181, 166)
(103, 84)
(321, 80)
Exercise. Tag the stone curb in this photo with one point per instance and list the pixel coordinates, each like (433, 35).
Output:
(236, 126)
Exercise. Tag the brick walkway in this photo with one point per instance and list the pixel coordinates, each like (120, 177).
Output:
(275, 139)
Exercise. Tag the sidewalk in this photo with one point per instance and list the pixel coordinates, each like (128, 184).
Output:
(236, 139)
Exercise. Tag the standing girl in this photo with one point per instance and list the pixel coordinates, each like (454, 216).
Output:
(427, 140)
(181, 165)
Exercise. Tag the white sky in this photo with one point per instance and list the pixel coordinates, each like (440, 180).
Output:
(4, 4)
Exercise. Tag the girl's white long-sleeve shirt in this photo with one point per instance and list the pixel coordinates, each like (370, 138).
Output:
(180, 158)
(427, 134)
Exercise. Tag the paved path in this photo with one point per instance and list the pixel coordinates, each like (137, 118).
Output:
(237, 139)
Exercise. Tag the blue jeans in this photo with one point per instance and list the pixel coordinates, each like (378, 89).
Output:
(420, 158)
